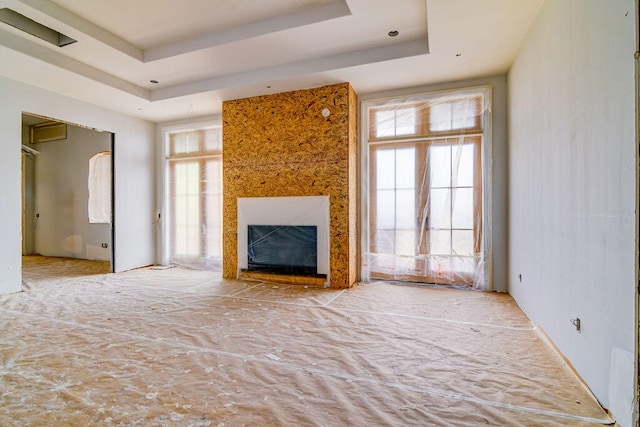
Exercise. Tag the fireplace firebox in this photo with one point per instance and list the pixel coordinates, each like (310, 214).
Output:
(289, 241)
(283, 249)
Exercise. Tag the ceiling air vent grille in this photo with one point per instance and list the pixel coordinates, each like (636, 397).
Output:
(21, 22)
(47, 132)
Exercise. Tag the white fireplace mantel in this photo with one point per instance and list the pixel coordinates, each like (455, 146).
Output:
(304, 210)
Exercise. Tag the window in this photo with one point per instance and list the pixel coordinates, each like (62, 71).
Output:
(194, 172)
(99, 205)
(401, 121)
(425, 204)
(453, 115)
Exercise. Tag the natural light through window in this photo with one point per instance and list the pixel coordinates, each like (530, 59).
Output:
(446, 116)
(425, 199)
(395, 122)
(194, 169)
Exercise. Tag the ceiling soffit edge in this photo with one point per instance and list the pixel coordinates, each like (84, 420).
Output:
(295, 69)
(44, 54)
(308, 16)
(84, 26)
(287, 21)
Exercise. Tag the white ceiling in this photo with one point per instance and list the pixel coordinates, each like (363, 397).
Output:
(205, 51)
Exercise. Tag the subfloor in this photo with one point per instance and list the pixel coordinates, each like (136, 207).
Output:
(179, 347)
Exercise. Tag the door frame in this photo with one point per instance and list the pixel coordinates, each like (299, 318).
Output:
(113, 177)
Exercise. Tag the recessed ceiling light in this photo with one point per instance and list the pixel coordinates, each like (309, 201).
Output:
(155, 82)
(393, 33)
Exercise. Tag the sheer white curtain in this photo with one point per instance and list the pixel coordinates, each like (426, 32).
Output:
(100, 188)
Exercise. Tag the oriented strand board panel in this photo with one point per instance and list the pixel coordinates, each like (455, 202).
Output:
(282, 145)
(353, 184)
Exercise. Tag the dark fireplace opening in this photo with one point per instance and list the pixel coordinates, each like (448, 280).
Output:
(283, 249)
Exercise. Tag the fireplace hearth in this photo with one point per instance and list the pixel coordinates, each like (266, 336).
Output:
(284, 236)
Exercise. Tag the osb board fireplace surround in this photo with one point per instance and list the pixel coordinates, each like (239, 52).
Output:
(282, 145)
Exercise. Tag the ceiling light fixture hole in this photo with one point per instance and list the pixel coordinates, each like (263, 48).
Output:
(393, 33)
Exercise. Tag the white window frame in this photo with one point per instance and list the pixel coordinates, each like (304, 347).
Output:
(486, 153)
(162, 225)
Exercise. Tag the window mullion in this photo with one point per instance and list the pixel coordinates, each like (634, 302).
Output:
(203, 207)
(422, 194)
(395, 201)
(451, 197)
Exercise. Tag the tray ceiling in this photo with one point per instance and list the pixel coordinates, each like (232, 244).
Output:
(201, 52)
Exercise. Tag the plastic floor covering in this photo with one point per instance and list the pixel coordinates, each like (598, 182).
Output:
(179, 347)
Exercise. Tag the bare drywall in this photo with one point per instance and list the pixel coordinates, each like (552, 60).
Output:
(498, 164)
(134, 175)
(62, 194)
(572, 189)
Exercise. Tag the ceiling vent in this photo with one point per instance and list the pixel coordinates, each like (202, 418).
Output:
(47, 132)
(21, 22)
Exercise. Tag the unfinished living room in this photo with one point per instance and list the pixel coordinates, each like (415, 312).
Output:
(319, 212)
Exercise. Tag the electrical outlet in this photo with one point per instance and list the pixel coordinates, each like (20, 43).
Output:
(104, 245)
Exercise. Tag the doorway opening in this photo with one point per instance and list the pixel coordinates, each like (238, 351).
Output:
(67, 197)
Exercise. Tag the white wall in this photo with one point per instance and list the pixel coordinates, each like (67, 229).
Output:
(134, 173)
(498, 162)
(572, 189)
(62, 195)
